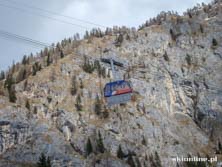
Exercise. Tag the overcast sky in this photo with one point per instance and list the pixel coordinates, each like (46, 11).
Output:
(27, 22)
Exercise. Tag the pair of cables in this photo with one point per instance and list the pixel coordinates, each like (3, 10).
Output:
(36, 11)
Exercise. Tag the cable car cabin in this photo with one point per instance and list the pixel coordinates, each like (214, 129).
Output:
(118, 92)
(117, 88)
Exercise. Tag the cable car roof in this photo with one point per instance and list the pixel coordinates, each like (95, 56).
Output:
(116, 82)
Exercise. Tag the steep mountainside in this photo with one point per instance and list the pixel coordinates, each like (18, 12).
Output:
(175, 69)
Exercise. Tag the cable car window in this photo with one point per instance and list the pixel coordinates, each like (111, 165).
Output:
(124, 85)
(128, 85)
(118, 86)
(112, 87)
(107, 88)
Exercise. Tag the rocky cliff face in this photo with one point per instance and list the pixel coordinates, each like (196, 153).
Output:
(175, 69)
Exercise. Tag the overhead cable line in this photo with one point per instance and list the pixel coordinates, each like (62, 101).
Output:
(44, 16)
(19, 41)
(55, 13)
(26, 39)
(165, 70)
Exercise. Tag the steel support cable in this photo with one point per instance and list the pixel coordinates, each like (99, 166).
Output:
(44, 16)
(19, 41)
(8, 34)
(55, 13)
(158, 75)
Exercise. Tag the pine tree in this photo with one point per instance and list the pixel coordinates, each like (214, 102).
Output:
(165, 56)
(61, 54)
(157, 160)
(138, 164)
(189, 14)
(119, 40)
(48, 162)
(52, 77)
(87, 66)
(200, 163)
(152, 162)
(76, 37)
(144, 141)
(24, 60)
(220, 147)
(100, 145)
(81, 84)
(27, 105)
(98, 106)
(48, 61)
(97, 66)
(173, 35)
(130, 160)
(89, 148)
(188, 59)
(2, 75)
(35, 110)
(25, 85)
(21, 75)
(214, 42)
(58, 47)
(12, 94)
(78, 103)
(103, 72)
(13, 67)
(190, 163)
(70, 41)
(74, 86)
(105, 113)
(35, 68)
(127, 37)
(9, 84)
(201, 28)
(86, 36)
(42, 161)
(120, 153)
(45, 52)
(24, 75)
